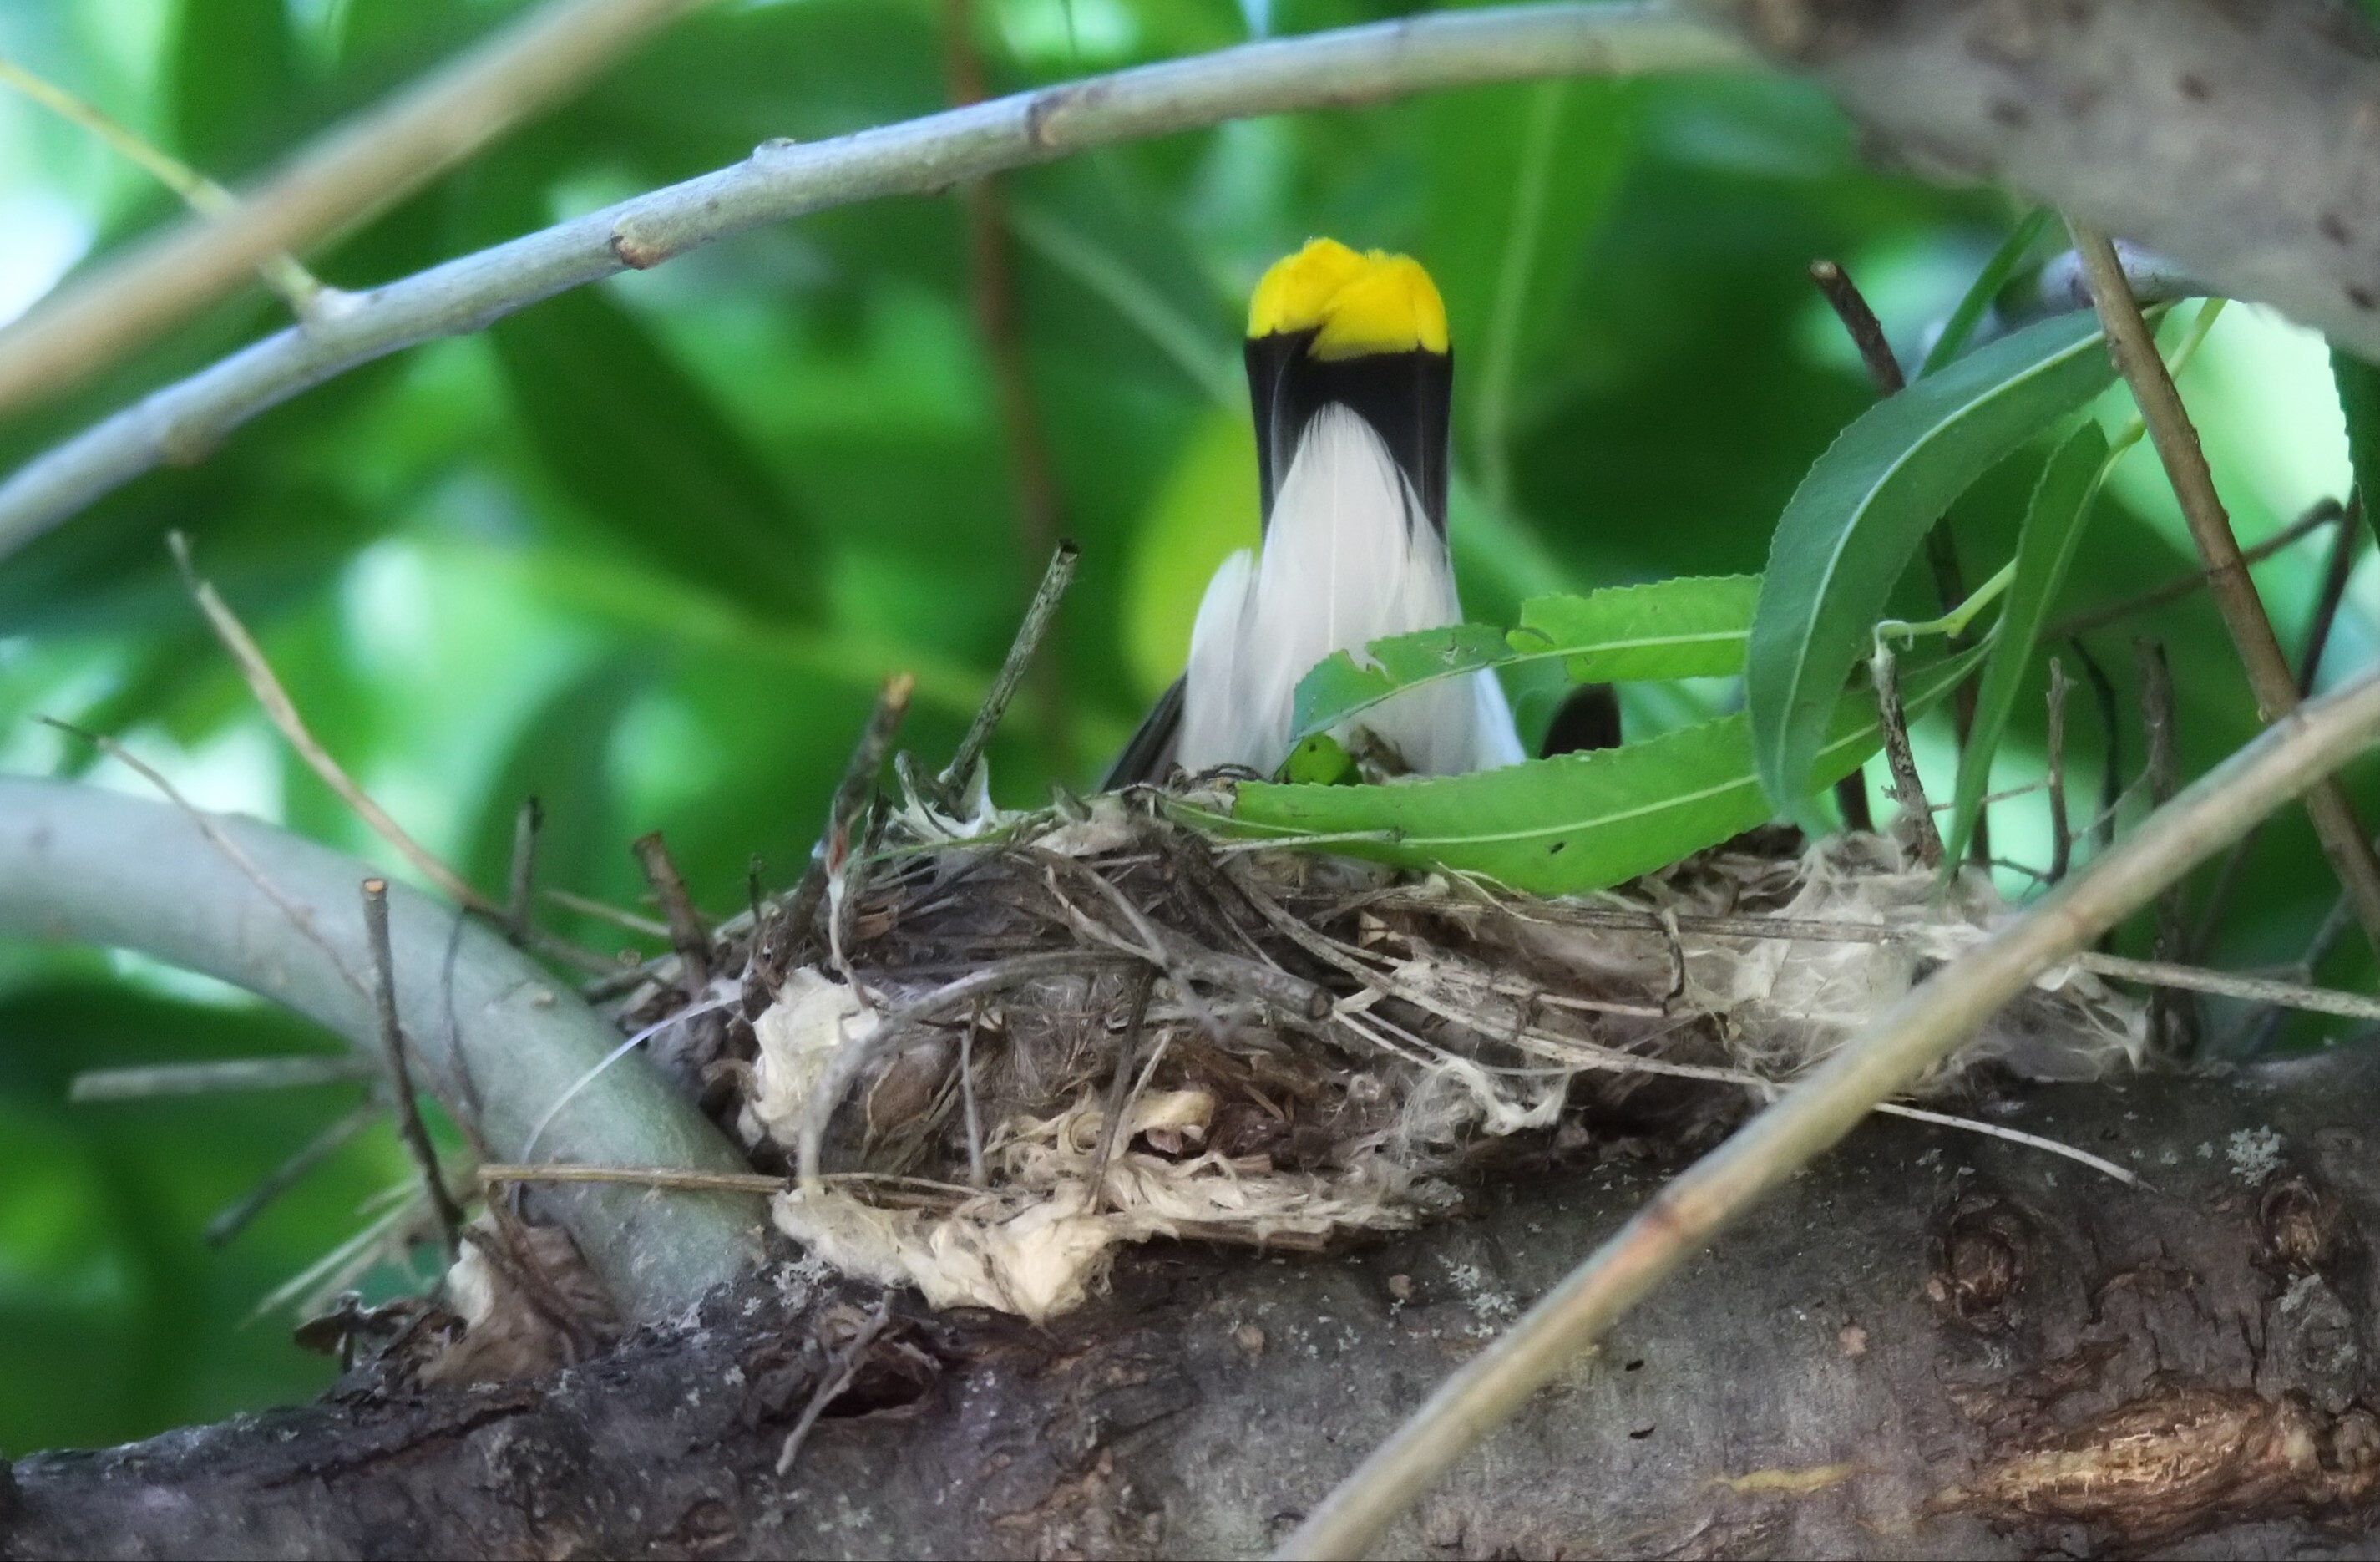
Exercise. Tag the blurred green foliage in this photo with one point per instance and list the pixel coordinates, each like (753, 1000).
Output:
(644, 550)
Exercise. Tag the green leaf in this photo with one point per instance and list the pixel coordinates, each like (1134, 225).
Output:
(2045, 551)
(1982, 290)
(1578, 822)
(1691, 627)
(1320, 761)
(231, 80)
(2359, 400)
(643, 448)
(1850, 528)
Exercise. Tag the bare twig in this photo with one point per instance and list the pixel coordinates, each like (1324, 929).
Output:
(2061, 834)
(1907, 788)
(234, 1219)
(992, 291)
(1866, 332)
(978, 1175)
(2343, 839)
(687, 935)
(521, 881)
(400, 1076)
(835, 1382)
(1119, 1087)
(1916, 1032)
(2336, 570)
(786, 935)
(953, 780)
(2102, 829)
(202, 1078)
(646, 926)
(351, 172)
(782, 180)
(297, 916)
(2325, 512)
(2173, 1021)
(297, 286)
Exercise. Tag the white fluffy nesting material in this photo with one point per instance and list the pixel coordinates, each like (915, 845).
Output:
(813, 1015)
(1786, 1003)
(1038, 1245)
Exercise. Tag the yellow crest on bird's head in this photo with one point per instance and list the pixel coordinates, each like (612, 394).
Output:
(1355, 304)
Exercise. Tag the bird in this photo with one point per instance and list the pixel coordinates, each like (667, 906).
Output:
(1351, 377)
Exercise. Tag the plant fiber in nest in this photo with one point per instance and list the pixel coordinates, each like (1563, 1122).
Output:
(1294, 1047)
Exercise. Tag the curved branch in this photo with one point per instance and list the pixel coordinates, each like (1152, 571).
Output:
(2242, 142)
(782, 180)
(93, 866)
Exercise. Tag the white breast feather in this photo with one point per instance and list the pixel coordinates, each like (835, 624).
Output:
(1348, 558)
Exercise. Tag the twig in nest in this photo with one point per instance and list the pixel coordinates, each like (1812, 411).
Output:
(1907, 788)
(1120, 1091)
(629, 920)
(687, 934)
(300, 917)
(232, 1220)
(1866, 332)
(978, 1176)
(952, 782)
(2061, 834)
(835, 1382)
(784, 937)
(400, 1076)
(2176, 438)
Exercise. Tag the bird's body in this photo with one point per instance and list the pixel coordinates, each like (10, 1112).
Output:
(1351, 376)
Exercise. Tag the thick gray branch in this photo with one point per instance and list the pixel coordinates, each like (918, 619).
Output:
(97, 867)
(782, 179)
(2242, 140)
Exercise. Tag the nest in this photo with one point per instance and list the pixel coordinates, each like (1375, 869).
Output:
(1010, 1043)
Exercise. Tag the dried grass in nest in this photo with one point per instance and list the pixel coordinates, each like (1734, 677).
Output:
(1296, 1046)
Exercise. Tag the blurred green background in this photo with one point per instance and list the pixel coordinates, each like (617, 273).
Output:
(645, 550)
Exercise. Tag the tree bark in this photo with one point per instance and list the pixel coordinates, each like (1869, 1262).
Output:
(1932, 1345)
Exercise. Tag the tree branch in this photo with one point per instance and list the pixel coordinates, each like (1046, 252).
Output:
(363, 166)
(93, 866)
(781, 180)
(2236, 140)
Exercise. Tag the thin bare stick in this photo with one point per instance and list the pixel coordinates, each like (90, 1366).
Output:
(687, 935)
(2336, 570)
(2254, 989)
(2343, 839)
(202, 1078)
(297, 286)
(835, 1382)
(2102, 829)
(2173, 1021)
(400, 1076)
(1907, 788)
(298, 917)
(603, 913)
(978, 1175)
(2061, 834)
(502, 1173)
(992, 291)
(232, 1220)
(283, 712)
(521, 881)
(1917, 1032)
(2323, 513)
(786, 935)
(354, 170)
(1867, 333)
(1119, 1087)
(2014, 1136)
(953, 780)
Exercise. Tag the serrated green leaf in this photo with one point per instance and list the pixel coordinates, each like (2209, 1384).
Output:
(1982, 291)
(2045, 551)
(1851, 526)
(1320, 761)
(1691, 626)
(1578, 822)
